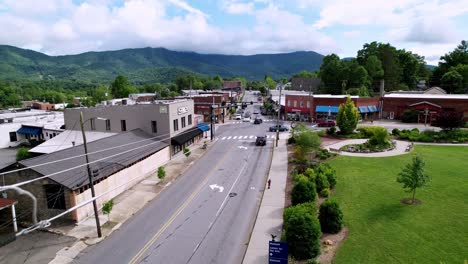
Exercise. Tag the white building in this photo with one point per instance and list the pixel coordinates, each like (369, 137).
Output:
(18, 128)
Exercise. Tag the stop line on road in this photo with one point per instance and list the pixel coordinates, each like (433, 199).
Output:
(242, 137)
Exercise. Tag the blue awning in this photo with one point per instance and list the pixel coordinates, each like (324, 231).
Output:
(363, 109)
(203, 127)
(372, 108)
(29, 130)
(326, 109)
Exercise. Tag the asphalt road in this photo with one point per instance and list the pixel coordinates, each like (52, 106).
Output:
(191, 222)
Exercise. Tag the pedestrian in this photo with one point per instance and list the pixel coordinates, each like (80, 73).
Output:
(269, 183)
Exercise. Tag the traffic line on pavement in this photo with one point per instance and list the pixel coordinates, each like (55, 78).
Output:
(140, 253)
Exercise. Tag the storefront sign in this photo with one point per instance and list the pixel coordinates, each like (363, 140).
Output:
(182, 110)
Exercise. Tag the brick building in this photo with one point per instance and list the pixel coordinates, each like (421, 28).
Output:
(202, 103)
(307, 107)
(395, 104)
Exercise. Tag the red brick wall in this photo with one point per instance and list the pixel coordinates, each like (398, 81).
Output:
(289, 107)
(399, 105)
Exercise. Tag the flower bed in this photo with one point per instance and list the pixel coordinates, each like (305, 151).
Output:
(368, 148)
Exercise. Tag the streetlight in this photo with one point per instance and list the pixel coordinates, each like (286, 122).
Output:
(91, 183)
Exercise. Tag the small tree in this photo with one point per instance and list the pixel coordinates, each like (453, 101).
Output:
(413, 176)
(330, 217)
(161, 172)
(306, 141)
(187, 152)
(449, 120)
(23, 153)
(348, 117)
(321, 182)
(329, 172)
(107, 208)
(303, 192)
(302, 231)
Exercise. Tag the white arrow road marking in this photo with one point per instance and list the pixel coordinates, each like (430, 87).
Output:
(215, 186)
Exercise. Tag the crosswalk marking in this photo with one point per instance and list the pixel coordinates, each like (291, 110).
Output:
(229, 137)
(234, 137)
(223, 138)
(251, 136)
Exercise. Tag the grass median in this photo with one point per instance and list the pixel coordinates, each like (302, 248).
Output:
(383, 230)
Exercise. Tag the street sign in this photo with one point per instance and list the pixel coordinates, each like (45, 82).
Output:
(278, 252)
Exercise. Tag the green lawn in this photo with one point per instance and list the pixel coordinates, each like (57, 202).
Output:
(381, 230)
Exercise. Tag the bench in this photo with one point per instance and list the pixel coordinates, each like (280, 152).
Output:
(409, 147)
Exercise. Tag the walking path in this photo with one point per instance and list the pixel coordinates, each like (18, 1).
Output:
(270, 216)
(400, 149)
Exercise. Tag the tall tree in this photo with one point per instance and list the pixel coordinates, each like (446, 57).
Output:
(413, 176)
(332, 73)
(120, 87)
(374, 68)
(390, 64)
(452, 81)
(348, 117)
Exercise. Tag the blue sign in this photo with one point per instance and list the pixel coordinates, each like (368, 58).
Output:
(278, 253)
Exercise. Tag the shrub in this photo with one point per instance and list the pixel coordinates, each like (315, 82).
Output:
(302, 231)
(321, 182)
(310, 173)
(303, 192)
(324, 154)
(331, 131)
(325, 193)
(330, 217)
(299, 177)
(329, 172)
(291, 140)
(187, 152)
(380, 137)
(23, 153)
(410, 116)
(161, 173)
(107, 208)
(312, 261)
(395, 131)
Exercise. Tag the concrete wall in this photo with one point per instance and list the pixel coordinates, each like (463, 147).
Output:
(144, 167)
(5, 130)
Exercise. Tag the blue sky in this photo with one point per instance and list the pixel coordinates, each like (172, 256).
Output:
(428, 27)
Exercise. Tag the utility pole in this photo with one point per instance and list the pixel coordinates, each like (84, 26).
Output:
(91, 183)
(277, 120)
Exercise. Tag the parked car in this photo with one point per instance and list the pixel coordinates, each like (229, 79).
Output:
(258, 121)
(260, 141)
(326, 123)
(255, 112)
(281, 128)
(238, 117)
(246, 119)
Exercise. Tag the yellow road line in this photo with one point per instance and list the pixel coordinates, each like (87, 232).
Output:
(181, 208)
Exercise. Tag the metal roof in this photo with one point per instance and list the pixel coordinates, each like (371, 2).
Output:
(428, 96)
(78, 177)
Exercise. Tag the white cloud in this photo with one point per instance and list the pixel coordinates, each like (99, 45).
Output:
(100, 25)
(427, 30)
(236, 7)
(352, 34)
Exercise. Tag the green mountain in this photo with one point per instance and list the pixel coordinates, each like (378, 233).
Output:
(148, 65)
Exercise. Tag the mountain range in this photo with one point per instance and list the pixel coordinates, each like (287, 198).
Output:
(146, 65)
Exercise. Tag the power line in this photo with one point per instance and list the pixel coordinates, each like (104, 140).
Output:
(75, 167)
(47, 222)
(81, 155)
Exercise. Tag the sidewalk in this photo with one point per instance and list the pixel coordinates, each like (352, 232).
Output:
(125, 206)
(400, 149)
(270, 216)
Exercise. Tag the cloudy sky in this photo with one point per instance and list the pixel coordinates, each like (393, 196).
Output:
(427, 27)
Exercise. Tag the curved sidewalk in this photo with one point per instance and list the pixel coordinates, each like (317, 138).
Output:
(400, 149)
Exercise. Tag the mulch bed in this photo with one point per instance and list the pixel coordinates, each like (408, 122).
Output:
(409, 201)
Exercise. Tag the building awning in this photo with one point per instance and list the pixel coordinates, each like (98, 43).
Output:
(363, 109)
(4, 203)
(372, 108)
(29, 130)
(203, 127)
(186, 136)
(326, 109)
